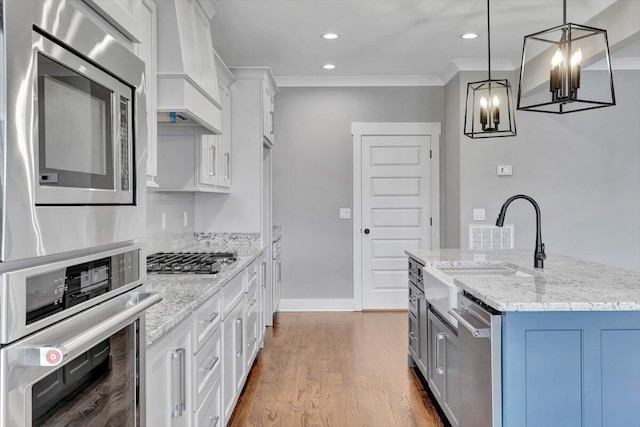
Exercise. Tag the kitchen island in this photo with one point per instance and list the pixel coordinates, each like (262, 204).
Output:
(567, 349)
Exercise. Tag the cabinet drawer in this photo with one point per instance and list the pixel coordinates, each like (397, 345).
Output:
(414, 295)
(414, 346)
(207, 320)
(232, 292)
(208, 362)
(252, 298)
(252, 274)
(210, 412)
(252, 339)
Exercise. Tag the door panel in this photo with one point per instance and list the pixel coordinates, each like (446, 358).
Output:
(396, 210)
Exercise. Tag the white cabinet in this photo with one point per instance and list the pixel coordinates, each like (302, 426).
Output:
(277, 277)
(268, 114)
(147, 51)
(224, 140)
(262, 299)
(169, 398)
(443, 367)
(125, 15)
(233, 336)
(243, 210)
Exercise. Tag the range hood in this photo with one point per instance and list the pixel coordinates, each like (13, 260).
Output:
(188, 94)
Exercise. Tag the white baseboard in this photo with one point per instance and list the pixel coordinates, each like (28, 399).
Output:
(313, 304)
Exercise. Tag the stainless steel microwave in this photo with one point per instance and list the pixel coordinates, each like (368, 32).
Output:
(73, 134)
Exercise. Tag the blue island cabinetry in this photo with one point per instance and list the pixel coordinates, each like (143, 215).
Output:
(571, 369)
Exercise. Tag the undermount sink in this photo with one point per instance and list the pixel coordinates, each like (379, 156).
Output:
(482, 269)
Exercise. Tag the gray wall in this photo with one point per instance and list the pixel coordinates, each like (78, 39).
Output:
(582, 168)
(174, 205)
(312, 176)
(450, 165)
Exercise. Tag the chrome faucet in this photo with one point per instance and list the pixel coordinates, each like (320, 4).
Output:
(539, 256)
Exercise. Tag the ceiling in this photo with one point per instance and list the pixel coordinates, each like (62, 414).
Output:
(381, 37)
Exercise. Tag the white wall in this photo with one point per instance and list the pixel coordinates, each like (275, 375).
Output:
(312, 176)
(174, 205)
(582, 168)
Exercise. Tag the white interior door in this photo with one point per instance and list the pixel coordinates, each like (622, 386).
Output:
(395, 214)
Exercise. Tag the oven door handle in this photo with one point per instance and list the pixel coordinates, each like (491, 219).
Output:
(54, 355)
(475, 332)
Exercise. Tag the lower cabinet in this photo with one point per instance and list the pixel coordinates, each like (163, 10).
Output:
(233, 343)
(443, 366)
(169, 400)
(196, 372)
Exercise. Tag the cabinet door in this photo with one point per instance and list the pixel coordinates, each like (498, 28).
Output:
(233, 357)
(169, 399)
(209, 160)
(262, 294)
(267, 119)
(122, 14)
(423, 336)
(224, 158)
(437, 348)
(443, 367)
(147, 51)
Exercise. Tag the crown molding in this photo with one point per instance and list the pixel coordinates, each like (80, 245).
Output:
(357, 81)
(617, 64)
(457, 65)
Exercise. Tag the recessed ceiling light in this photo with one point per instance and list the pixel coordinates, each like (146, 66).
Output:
(330, 36)
(469, 36)
(329, 67)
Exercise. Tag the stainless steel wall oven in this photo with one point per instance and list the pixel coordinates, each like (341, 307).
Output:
(73, 342)
(73, 133)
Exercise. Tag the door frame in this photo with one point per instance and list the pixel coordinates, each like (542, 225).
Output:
(360, 129)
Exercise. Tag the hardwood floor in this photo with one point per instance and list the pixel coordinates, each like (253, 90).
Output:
(335, 370)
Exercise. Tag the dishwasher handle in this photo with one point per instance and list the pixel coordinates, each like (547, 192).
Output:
(477, 333)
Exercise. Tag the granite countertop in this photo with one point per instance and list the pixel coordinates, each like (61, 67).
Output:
(184, 293)
(565, 284)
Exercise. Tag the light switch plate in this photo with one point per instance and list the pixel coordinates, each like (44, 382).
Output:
(504, 170)
(478, 214)
(345, 213)
(479, 257)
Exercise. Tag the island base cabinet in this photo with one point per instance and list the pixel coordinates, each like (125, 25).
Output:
(443, 367)
(571, 369)
(168, 380)
(233, 348)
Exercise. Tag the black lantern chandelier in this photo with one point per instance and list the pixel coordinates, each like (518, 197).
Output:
(553, 60)
(482, 117)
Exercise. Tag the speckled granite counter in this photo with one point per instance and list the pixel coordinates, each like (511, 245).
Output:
(565, 284)
(184, 293)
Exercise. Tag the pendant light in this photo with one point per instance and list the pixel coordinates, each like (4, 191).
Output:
(483, 117)
(552, 64)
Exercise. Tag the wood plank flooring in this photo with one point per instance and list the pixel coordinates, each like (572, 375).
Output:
(335, 370)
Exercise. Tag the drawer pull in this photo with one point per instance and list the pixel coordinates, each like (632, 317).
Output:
(213, 316)
(252, 302)
(214, 421)
(253, 341)
(412, 337)
(211, 364)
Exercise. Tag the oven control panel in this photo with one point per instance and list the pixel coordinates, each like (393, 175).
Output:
(52, 292)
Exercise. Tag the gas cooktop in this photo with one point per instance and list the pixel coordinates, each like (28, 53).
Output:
(190, 262)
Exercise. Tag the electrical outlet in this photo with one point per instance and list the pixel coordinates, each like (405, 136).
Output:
(185, 219)
(163, 220)
(479, 257)
(345, 213)
(504, 170)
(478, 215)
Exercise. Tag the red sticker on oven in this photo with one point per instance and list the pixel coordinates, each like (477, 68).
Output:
(50, 356)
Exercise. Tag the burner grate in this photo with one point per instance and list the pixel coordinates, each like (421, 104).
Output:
(189, 262)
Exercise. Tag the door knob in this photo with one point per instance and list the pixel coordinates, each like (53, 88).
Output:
(366, 231)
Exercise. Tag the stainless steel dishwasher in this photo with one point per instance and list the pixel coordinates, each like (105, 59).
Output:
(480, 360)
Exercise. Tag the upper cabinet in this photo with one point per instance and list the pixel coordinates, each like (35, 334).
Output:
(188, 93)
(147, 51)
(269, 90)
(125, 15)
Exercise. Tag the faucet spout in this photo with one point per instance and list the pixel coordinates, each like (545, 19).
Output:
(539, 256)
